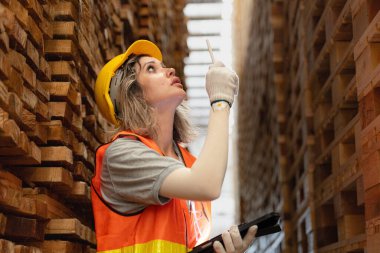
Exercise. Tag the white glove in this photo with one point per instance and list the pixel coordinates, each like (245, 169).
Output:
(221, 83)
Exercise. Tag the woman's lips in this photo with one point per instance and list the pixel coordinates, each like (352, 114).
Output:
(177, 82)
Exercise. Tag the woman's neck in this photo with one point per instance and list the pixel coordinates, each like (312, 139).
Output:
(164, 131)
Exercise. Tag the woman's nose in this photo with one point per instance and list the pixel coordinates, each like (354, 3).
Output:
(170, 71)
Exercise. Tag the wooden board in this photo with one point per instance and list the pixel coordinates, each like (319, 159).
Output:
(7, 246)
(21, 229)
(69, 229)
(82, 173)
(59, 155)
(56, 209)
(53, 246)
(27, 249)
(64, 91)
(80, 193)
(56, 178)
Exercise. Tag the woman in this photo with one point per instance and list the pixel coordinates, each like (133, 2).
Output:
(148, 193)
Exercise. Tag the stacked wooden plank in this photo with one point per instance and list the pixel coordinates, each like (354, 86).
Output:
(49, 63)
(260, 187)
(327, 120)
(165, 23)
(366, 32)
(50, 127)
(171, 22)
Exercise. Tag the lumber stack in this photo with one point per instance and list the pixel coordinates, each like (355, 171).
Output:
(366, 33)
(327, 120)
(161, 21)
(50, 127)
(172, 23)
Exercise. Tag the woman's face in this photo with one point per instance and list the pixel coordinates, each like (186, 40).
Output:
(162, 88)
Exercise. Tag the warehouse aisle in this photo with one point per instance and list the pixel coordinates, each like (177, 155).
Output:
(211, 20)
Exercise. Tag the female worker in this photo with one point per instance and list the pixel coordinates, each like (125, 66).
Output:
(148, 193)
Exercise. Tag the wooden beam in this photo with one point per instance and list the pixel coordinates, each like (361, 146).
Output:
(15, 110)
(35, 34)
(58, 135)
(3, 223)
(7, 246)
(3, 95)
(21, 148)
(46, 26)
(59, 155)
(69, 229)
(29, 77)
(26, 249)
(4, 41)
(14, 82)
(42, 93)
(60, 49)
(33, 56)
(16, 33)
(20, 228)
(10, 198)
(9, 133)
(82, 173)
(44, 72)
(22, 13)
(53, 246)
(5, 66)
(16, 60)
(65, 11)
(38, 134)
(80, 193)
(55, 178)
(10, 180)
(35, 10)
(80, 151)
(63, 71)
(56, 208)
(32, 157)
(62, 111)
(64, 30)
(64, 91)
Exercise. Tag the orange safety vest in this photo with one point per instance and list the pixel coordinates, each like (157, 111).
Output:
(170, 228)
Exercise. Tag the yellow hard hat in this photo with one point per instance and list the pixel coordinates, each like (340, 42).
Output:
(102, 84)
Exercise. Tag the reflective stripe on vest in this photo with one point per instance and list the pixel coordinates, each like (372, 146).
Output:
(152, 246)
(158, 228)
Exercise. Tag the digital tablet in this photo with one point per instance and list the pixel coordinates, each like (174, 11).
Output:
(267, 224)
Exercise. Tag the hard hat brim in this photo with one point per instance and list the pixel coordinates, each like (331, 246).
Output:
(141, 47)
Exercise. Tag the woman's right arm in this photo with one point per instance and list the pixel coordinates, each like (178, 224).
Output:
(205, 178)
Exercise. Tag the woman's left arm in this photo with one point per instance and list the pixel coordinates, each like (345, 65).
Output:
(233, 243)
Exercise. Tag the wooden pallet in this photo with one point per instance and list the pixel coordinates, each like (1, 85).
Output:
(365, 53)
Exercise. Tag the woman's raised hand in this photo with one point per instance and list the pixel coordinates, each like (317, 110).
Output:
(221, 83)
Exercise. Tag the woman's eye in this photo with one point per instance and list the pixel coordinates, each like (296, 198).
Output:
(150, 68)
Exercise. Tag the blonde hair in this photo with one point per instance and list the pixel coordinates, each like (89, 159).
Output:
(136, 115)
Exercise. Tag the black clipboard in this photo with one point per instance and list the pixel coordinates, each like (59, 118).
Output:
(267, 224)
